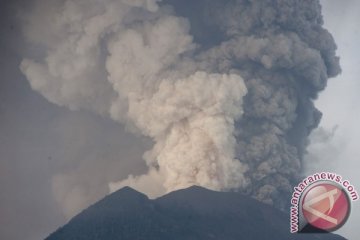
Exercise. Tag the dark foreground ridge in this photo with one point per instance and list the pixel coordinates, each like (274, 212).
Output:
(194, 213)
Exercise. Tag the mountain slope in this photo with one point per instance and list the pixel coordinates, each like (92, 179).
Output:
(188, 214)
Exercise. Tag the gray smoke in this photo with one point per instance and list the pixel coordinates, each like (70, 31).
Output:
(285, 57)
(225, 89)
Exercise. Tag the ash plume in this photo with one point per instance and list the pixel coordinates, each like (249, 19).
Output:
(224, 89)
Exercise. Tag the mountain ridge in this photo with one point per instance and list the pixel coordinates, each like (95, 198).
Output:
(194, 213)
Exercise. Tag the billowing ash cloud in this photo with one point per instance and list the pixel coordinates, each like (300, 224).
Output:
(225, 89)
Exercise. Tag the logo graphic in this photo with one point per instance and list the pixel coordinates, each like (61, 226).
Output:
(321, 203)
(326, 206)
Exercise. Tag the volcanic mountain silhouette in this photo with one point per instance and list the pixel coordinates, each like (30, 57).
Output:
(194, 213)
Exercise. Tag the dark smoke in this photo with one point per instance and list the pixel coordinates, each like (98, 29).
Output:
(174, 71)
(285, 57)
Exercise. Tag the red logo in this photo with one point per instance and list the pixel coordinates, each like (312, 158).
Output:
(326, 206)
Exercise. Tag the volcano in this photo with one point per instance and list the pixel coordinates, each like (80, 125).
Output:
(187, 214)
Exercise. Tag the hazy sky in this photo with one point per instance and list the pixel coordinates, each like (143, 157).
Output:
(40, 142)
(340, 103)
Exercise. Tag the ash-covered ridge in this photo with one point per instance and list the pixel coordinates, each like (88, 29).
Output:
(193, 213)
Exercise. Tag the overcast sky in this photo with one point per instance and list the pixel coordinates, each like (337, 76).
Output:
(340, 103)
(40, 142)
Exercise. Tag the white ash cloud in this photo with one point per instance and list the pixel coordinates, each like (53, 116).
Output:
(224, 89)
(124, 65)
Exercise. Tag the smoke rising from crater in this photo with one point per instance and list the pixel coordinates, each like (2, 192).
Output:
(225, 89)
